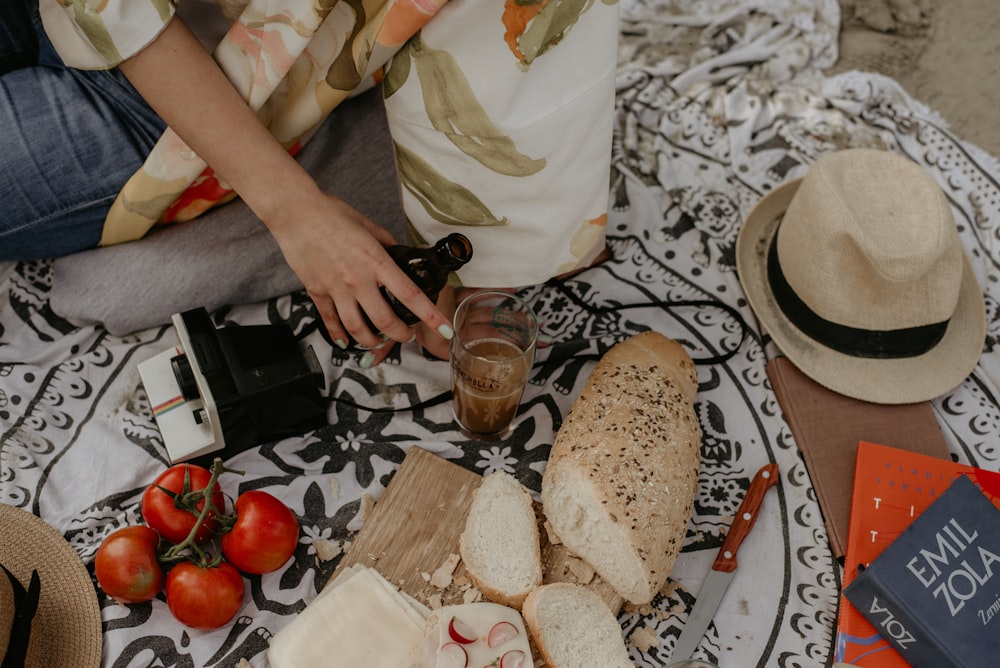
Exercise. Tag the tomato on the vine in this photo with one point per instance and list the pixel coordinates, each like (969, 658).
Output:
(204, 597)
(173, 523)
(264, 536)
(126, 565)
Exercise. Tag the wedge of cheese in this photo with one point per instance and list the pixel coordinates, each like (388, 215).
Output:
(359, 619)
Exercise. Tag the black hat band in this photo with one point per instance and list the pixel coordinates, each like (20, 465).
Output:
(853, 341)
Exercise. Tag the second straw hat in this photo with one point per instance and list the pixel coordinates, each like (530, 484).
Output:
(66, 628)
(858, 274)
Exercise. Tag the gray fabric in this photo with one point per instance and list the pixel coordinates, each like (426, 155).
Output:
(227, 256)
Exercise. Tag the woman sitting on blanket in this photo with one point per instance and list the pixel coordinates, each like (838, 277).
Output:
(516, 152)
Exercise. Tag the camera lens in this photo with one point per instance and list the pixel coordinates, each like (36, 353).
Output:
(184, 375)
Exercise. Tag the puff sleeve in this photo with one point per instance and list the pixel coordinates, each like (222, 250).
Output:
(100, 34)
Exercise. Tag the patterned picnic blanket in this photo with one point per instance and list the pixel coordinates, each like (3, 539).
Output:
(719, 101)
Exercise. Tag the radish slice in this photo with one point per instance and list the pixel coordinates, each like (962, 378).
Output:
(453, 655)
(501, 633)
(513, 659)
(461, 632)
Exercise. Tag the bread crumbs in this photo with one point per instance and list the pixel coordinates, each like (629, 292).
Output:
(327, 549)
(644, 638)
(442, 576)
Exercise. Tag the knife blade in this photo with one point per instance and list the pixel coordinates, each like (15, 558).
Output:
(724, 566)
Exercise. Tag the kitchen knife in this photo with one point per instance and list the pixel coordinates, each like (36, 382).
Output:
(724, 567)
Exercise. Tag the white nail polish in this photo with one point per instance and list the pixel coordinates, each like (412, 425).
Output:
(446, 331)
(367, 360)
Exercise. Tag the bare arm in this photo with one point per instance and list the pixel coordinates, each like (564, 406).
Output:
(335, 250)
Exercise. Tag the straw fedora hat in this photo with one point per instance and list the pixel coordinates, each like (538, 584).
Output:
(66, 628)
(857, 272)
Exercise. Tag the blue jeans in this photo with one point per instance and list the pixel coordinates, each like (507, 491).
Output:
(69, 139)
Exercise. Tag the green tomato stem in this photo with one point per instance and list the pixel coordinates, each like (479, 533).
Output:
(188, 500)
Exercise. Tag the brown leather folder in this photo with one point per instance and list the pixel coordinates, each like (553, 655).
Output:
(827, 426)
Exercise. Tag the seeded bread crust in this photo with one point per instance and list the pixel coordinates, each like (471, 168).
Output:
(623, 472)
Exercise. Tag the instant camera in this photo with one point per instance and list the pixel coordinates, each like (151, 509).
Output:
(224, 390)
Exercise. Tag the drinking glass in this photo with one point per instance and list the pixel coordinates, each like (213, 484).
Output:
(492, 353)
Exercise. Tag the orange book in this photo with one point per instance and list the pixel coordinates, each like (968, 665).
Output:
(891, 488)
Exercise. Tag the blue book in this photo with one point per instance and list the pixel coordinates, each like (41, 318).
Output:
(934, 592)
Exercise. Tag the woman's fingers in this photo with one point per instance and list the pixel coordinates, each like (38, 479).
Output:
(432, 339)
(411, 296)
(376, 355)
(341, 258)
(347, 325)
(328, 314)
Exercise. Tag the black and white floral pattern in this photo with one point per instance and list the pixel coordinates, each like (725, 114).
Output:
(718, 103)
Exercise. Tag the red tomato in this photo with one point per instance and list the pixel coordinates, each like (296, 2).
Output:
(172, 523)
(264, 536)
(204, 598)
(126, 565)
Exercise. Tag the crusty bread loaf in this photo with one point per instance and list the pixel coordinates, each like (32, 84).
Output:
(500, 543)
(623, 471)
(573, 628)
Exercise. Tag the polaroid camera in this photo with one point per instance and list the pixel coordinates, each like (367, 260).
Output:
(224, 390)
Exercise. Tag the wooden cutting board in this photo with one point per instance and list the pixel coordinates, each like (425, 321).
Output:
(412, 534)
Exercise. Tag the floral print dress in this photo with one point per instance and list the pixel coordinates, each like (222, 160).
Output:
(501, 112)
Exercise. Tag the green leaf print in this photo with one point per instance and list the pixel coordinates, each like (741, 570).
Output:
(453, 109)
(92, 25)
(397, 71)
(445, 201)
(344, 73)
(550, 26)
(163, 8)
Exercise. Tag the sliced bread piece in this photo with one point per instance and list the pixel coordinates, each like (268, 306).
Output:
(573, 628)
(500, 543)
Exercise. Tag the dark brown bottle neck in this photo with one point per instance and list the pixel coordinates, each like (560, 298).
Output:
(453, 251)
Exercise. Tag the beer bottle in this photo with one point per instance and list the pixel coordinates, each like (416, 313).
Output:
(429, 268)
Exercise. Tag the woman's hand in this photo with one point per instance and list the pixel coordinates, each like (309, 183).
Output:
(339, 255)
(336, 252)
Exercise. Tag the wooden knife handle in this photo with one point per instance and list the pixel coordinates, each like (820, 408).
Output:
(765, 479)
